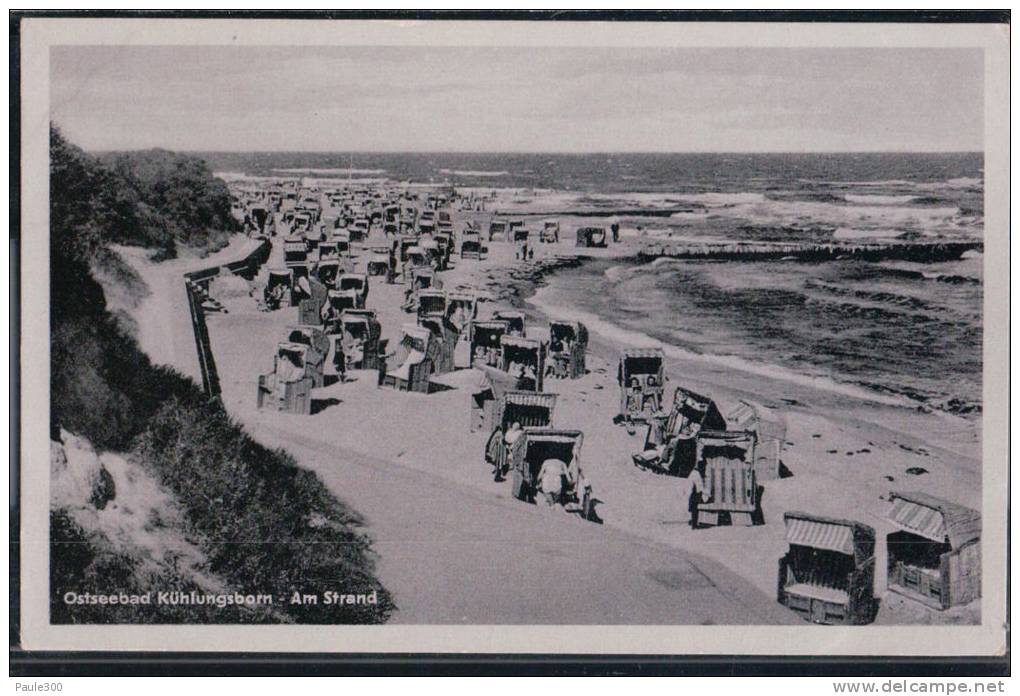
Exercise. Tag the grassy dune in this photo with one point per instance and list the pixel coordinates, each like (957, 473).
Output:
(264, 525)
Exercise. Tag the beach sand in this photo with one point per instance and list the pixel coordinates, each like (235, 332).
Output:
(450, 539)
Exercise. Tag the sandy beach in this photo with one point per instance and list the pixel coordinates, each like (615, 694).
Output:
(408, 462)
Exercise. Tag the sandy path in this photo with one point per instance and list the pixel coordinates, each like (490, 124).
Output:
(163, 322)
(451, 554)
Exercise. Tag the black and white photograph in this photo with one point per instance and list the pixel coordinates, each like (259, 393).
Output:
(465, 325)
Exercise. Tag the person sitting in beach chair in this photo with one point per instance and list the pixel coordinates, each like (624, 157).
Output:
(273, 296)
(653, 397)
(634, 394)
(330, 315)
(528, 379)
(302, 288)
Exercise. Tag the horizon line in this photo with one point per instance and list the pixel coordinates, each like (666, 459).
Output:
(544, 152)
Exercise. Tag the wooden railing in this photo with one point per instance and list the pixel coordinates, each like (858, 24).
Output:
(196, 284)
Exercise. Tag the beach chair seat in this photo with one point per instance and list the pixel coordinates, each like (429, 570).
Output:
(403, 371)
(820, 592)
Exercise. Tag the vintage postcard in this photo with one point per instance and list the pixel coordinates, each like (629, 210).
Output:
(379, 336)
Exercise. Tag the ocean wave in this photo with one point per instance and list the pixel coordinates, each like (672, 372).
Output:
(873, 182)
(878, 200)
(637, 339)
(964, 182)
(955, 183)
(722, 199)
(810, 196)
(854, 233)
(329, 171)
(879, 271)
(951, 278)
(854, 217)
(879, 296)
(471, 172)
(614, 273)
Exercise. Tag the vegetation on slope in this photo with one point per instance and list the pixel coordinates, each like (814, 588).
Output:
(265, 525)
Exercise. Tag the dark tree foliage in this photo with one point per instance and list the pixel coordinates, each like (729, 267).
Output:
(91, 206)
(265, 524)
(181, 191)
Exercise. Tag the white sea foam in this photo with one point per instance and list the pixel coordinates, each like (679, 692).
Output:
(721, 199)
(330, 171)
(614, 273)
(471, 172)
(854, 233)
(637, 339)
(878, 200)
(964, 182)
(767, 213)
(686, 215)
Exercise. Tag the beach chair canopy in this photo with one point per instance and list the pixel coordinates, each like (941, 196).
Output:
(530, 409)
(517, 349)
(830, 534)
(461, 308)
(640, 362)
(353, 281)
(418, 336)
(768, 423)
(934, 518)
(358, 315)
(342, 299)
(541, 444)
(736, 444)
(517, 342)
(692, 412)
(305, 335)
(569, 331)
(488, 333)
(431, 302)
(508, 315)
(296, 353)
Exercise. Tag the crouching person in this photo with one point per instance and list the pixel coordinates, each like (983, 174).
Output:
(550, 480)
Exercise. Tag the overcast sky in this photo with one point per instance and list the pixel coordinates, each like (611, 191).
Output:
(528, 99)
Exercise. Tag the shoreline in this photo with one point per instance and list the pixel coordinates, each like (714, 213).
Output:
(826, 430)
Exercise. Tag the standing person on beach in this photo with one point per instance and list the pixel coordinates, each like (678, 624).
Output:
(340, 362)
(696, 495)
(512, 435)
